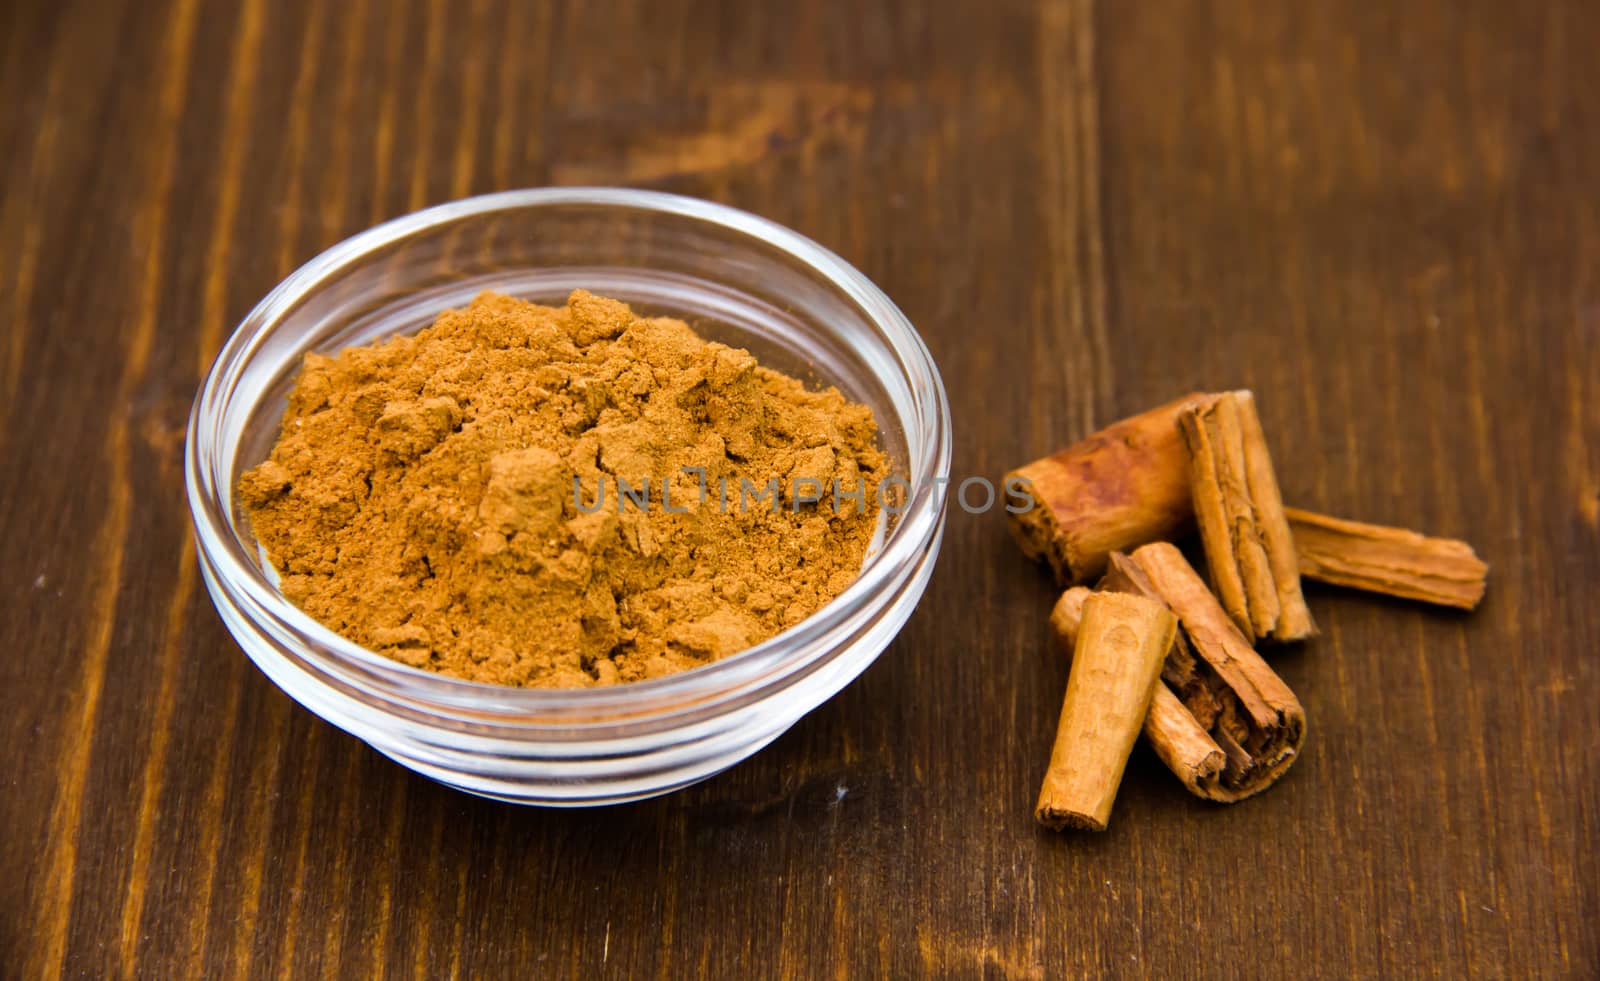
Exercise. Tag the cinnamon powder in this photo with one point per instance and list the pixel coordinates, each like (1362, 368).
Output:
(451, 499)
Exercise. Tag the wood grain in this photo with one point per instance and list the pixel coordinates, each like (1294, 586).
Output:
(1384, 220)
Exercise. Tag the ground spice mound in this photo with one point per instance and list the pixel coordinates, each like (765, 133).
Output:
(421, 502)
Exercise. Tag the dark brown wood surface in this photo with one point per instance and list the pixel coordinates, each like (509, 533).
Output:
(1384, 218)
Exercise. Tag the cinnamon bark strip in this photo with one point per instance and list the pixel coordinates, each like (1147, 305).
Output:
(1067, 615)
(1239, 509)
(1116, 663)
(1192, 755)
(1119, 488)
(1386, 560)
(1225, 686)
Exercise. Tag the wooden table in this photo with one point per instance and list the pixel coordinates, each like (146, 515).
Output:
(1384, 221)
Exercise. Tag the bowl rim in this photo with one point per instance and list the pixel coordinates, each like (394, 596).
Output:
(783, 655)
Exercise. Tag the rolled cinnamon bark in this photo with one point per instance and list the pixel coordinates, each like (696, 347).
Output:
(1226, 687)
(1117, 489)
(1192, 755)
(1393, 561)
(1067, 614)
(1121, 646)
(1239, 509)
(1294, 616)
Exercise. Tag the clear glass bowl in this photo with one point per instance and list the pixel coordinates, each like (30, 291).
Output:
(739, 279)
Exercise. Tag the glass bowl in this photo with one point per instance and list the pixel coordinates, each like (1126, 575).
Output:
(738, 279)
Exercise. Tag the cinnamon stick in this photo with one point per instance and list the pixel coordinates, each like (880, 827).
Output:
(1192, 755)
(1119, 488)
(1387, 560)
(1239, 509)
(1122, 643)
(1067, 615)
(1225, 686)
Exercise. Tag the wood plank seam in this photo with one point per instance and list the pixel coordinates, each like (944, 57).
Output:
(149, 238)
